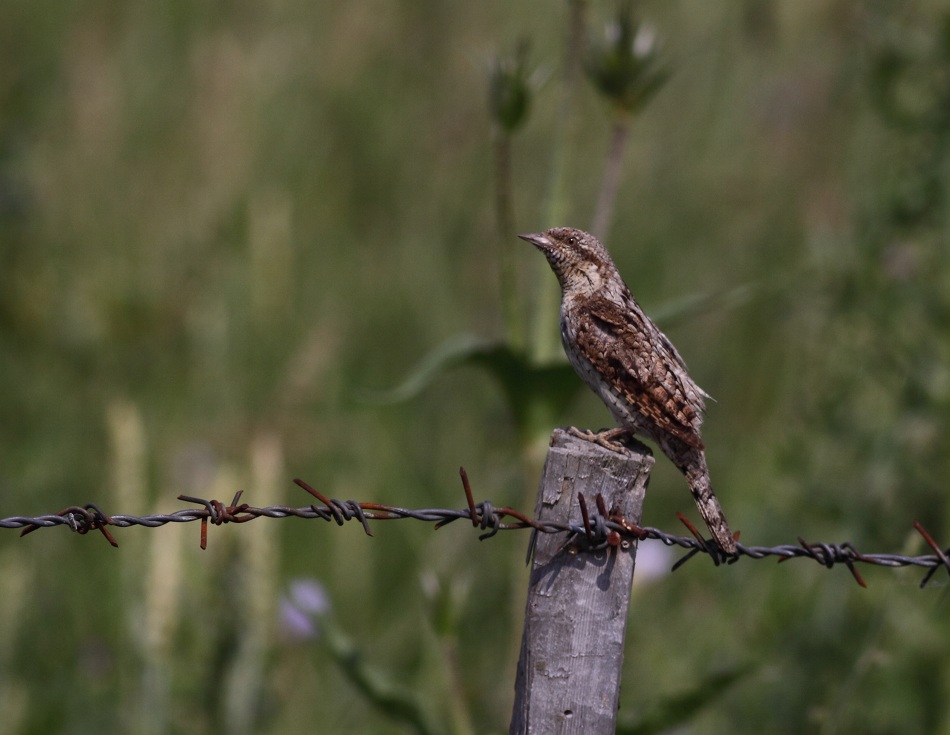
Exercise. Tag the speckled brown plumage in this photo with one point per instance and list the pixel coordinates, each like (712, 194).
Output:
(629, 362)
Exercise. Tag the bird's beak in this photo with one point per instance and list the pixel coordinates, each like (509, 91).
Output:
(538, 239)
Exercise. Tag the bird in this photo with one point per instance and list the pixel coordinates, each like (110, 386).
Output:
(630, 364)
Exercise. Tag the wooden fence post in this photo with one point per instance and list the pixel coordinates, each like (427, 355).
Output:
(568, 678)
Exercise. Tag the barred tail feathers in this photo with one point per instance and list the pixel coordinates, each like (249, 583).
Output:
(692, 463)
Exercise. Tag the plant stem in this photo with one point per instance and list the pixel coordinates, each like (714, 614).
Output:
(507, 263)
(610, 183)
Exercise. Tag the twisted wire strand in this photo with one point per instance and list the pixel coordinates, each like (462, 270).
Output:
(597, 532)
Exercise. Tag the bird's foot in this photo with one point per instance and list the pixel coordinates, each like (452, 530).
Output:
(606, 438)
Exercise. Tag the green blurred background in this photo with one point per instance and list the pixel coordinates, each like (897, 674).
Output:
(227, 228)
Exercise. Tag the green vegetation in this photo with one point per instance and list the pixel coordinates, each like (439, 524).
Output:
(227, 230)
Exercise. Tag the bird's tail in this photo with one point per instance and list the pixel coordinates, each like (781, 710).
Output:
(691, 461)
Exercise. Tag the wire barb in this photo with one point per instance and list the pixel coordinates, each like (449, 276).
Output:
(940, 554)
(80, 519)
(339, 512)
(708, 546)
(218, 513)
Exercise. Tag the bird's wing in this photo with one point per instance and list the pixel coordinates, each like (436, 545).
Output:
(642, 365)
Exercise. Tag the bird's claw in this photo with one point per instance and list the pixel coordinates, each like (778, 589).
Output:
(606, 438)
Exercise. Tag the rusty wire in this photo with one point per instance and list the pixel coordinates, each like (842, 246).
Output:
(598, 531)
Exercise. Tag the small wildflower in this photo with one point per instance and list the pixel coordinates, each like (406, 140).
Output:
(309, 596)
(300, 608)
(654, 561)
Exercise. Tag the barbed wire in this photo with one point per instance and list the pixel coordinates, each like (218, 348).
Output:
(599, 530)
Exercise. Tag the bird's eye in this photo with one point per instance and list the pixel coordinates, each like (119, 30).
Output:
(572, 241)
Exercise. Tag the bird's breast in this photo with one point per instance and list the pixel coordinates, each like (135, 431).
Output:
(619, 405)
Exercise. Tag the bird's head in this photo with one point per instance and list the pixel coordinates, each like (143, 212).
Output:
(578, 259)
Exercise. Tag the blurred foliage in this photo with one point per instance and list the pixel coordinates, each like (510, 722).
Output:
(683, 707)
(223, 225)
(625, 67)
(536, 395)
(509, 90)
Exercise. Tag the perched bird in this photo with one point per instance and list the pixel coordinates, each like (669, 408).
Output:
(629, 363)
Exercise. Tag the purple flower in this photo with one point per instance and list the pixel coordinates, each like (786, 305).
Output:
(300, 608)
